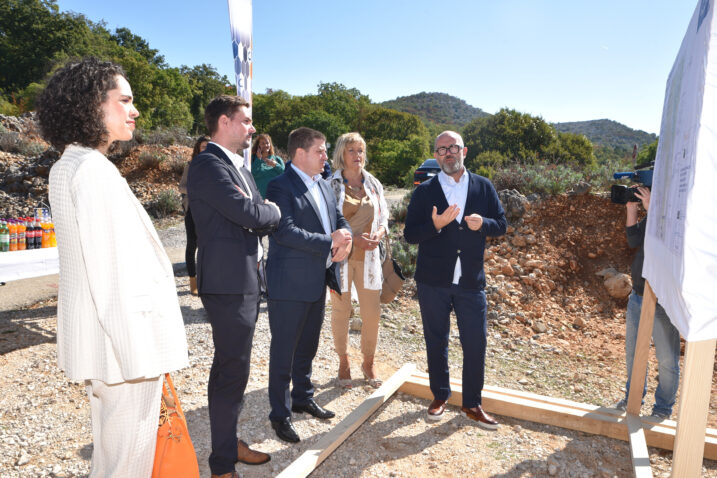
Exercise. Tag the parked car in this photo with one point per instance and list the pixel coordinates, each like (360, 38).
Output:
(426, 171)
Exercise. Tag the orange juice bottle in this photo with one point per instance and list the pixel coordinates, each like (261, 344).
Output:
(45, 242)
(12, 226)
(53, 238)
(21, 242)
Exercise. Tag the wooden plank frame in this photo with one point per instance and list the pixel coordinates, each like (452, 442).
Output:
(527, 406)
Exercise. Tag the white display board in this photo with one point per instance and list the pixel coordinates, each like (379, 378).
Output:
(681, 240)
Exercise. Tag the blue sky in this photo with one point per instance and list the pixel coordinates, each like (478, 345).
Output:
(563, 60)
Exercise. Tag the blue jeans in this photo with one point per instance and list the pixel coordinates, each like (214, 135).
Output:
(667, 349)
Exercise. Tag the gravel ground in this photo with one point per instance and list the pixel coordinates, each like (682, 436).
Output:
(45, 425)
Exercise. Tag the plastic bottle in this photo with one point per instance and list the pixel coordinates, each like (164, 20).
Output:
(12, 227)
(45, 241)
(4, 237)
(38, 234)
(21, 229)
(53, 238)
(30, 233)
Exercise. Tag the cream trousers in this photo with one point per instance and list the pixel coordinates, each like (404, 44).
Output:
(370, 310)
(125, 418)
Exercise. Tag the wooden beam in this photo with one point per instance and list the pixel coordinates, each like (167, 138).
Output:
(694, 403)
(642, 349)
(638, 447)
(311, 458)
(563, 413)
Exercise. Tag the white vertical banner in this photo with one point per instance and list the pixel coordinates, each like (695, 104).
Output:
(681, 238)
(240, 22)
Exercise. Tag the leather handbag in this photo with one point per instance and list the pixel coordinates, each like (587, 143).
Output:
(174, 455)
(392, 275)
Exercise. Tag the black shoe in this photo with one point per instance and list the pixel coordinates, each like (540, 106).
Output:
(285, 430)
(312, 408)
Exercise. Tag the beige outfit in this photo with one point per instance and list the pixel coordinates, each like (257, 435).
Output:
(118, 318)
(362, 268)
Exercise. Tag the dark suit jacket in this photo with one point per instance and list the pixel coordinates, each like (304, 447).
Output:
(437, 251)
(296, 264)
(225, 220)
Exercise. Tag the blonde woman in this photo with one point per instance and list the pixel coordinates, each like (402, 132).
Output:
(360, 198)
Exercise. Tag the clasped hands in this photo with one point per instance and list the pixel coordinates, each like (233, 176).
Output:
(341, 241)
(474, 221)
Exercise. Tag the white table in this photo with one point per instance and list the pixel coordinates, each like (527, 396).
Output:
(30, 263)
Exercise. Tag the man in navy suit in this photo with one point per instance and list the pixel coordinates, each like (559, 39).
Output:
(229, 215)
(312, 237)
(449, 217)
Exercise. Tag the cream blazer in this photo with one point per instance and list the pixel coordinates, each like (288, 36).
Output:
(372, 267)
(118, 317)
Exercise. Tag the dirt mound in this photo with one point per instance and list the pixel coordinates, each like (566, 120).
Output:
(542, 276)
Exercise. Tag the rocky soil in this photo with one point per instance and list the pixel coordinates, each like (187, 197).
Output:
(555, 329)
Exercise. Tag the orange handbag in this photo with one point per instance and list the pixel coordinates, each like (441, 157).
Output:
(174, 455)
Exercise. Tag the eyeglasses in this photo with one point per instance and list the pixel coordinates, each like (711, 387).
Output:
(442, 150)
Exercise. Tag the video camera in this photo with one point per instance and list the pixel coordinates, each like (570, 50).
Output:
(621, 194)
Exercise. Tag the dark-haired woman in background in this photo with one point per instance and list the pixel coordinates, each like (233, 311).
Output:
(119, 326)
(265, 164)
(191, 249)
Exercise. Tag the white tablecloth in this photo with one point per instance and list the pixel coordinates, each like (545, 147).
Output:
(30, 263)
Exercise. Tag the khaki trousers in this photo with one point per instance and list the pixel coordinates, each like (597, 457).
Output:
(370, 310)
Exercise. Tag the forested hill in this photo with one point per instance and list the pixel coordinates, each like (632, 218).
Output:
(605, 132)
(438, 108)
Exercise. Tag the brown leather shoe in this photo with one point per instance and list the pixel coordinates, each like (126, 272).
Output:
(482, 418)
(436, 409)
(231, 474)
(250, 457)
(193, 286)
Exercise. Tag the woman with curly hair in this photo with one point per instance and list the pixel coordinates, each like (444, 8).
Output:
(265, 165)
(191, 249)
(119, 326)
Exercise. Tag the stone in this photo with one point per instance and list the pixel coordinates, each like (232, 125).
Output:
(514, 204)
(581, 188)
(507, 270)
(519, 241)
(539, 327)
(355, 324)
(607, 273)
(579, 322)
(619, 286)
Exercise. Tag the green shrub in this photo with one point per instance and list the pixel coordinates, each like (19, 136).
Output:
(7, 108)
(150, 160)
(176, 165)
(8, 140)
(399, 210)
(167, 203)
(166, 136)
(405, 254)
(29, 148)
(536, 178)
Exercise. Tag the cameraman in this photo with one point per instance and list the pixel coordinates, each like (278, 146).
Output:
(664, 334)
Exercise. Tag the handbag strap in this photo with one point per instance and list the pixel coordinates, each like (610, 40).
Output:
(169, 382)
(388, 246)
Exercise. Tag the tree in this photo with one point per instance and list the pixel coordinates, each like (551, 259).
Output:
(126, 39)
(647, 154)
(205, 83)
(518, 136)
(33, 35)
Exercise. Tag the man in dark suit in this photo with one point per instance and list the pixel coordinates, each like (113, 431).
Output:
(312, 237)
(449, 217)
(229, 214)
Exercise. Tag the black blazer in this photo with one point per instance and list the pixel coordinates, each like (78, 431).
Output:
(225, 221)
(296, 264)
(438, 251)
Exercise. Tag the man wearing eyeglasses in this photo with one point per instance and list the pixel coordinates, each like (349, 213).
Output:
(449, 217)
